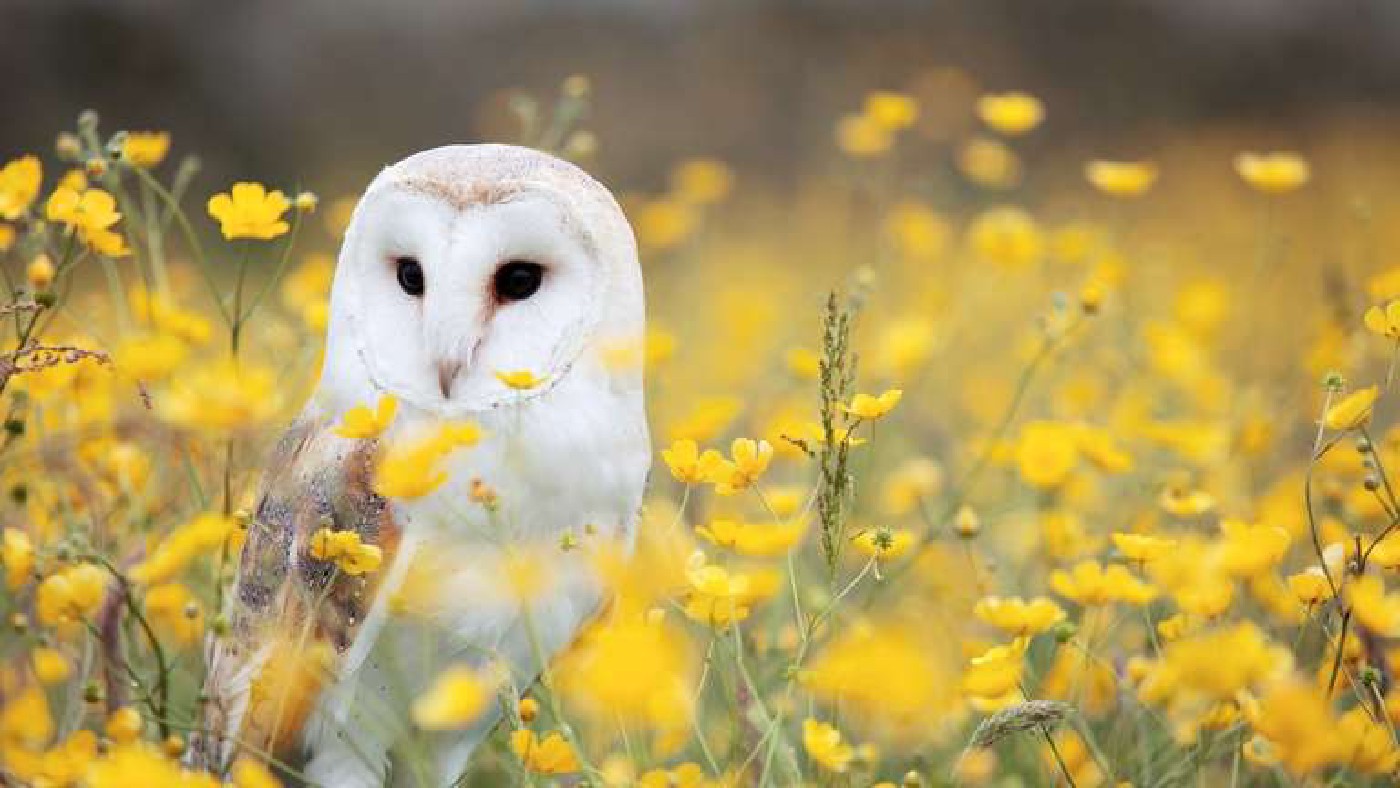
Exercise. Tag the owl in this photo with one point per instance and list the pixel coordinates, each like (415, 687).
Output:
(459, 263)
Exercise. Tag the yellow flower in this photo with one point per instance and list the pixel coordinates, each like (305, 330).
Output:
(248, 773)
(175, 613)
(686, 463)
(346, 551)
(890, 110)
(360, 423)
(67, 597)
(1121, 178)
(632, 666)
(1090, 584)
(548, 755)
(701, 181)
(1310, 587)
(719, 597)
(917, 232)
(753, 539)
(1384, 320)
(884, 543)
(1353, 411)
(1141, 548)
(456, 699)
(1047, 453)
(40, 272)
(90, 214)
(861, 137)
(664, 224)
(914, 481)
(222, 396)
(992, 680)
(1378, 611)
(249, 210)
(1297, 720)
(17, 554)
(853, 671)
(825, 746)
(202, 536)
(749, 460)
(411, 469)
(1012, 113)
(1273, 173)
(1249, 550)
(1007, 236)
(1186, 503)
(124, 725)
(1019, 617)
(519, 379)
(804, 363)
(7, 237)
(19, 186)
(145, 149)
(869, 407)
(50, 666)
(306, 202)
(989, 162)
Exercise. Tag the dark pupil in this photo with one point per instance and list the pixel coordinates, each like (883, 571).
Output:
(518, 280)
(410, 275)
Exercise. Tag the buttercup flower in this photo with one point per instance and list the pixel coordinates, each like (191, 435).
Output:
(519, 379)
(825, 746)
(361, 423)
(868, 407)
(1353, 411)
(145, 149)
(457, 698)
(19, 186)
(90, 214)
(1012, 113)
(249, 210)
(1121, 178)
(1273, 173)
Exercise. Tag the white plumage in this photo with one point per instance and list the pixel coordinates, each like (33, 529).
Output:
(566, 456)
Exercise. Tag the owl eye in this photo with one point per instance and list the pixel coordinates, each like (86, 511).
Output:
(410, 275)
(517, 280)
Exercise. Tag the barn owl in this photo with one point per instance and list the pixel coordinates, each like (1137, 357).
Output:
(459, 263)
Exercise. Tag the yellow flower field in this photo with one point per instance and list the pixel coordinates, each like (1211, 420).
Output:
(1005, 472)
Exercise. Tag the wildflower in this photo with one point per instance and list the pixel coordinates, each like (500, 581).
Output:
(68, 596)
(7, 237)
(249, 773)
(411, 469)
(346, 551)
(519, 379)
(203, 535)
(1273, 173)
(1378, 611)
(457, 698)
(1012, 114)
(753, 539)
(222, 396)
(890, 110)
(749, 460)
(1098, 447)
(912, 482)
(175, 612)
(686, 463)
(1186, 503)
(861, 137)
(90, 214)
(50, 666)
(25, 721)
(1384, 320)
(825, 746)
(708, 418)
(145, 149)
(1249, 550)
(989, 162)
(124, 725)
(1218, 664)
(249, 210)
(17, 555)
(40, 272)
(1046, 453)
(1310, 587)
(1141, 548)
(664, 224)
(1353, 411)
(1298, 722)
(993, 679)
(854, 670)
(306, 202)
(635, 666)
(360, 423)
(1007, 236)
(884, 543)
(1090, 584)
(719, 597)
(1019, 617)
(1367, 741)
(1121, 178)
(966, 522)
(529, 710)
(916, 231)
(19, 186)
(869, 407)
(701, 181)
(547, 755)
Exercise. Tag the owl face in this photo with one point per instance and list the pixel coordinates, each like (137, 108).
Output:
(460, 265)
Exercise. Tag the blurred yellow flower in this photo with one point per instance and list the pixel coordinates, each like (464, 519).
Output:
(989, 162)
(1121, 178)
(1013, 113)
(1007, 236)
(40, 272)
(175, 613)
(1384, 320)
(753, 539)
(202, 536)
(869, 407)
(891, 110)
(7, 237)
(1182, 502)
(249, 210)
(411, 468)
(1376, 610)
(70, 595)
(360, 422)
(145, 149)
(1090, 584)
(910, 483)
(222, 396)
(1019, 617)
(701, 181)
(519, 379)
(861, 137)
(457, 697)
(548, 755)
(884, 543)
(664, 224)
(824, 745)
(17, 555)
(992, 680)
(1299, 724)
(1046, 453)
(19, 186)
(632, 666)
(124, 725)
(1273, 173)
(719, 597)
(1310, 587)
(90, 214)
(1353, 411)
(50, 666)
(346, 551)
(748, 460)
(1250, 549)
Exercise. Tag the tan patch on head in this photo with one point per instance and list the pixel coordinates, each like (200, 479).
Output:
(462, 194)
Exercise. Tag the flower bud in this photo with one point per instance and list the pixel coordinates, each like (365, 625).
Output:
(40, 272)
(967, 523)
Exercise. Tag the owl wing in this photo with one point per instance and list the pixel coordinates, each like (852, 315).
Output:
(293, 619)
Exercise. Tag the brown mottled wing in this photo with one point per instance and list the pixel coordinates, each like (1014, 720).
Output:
(292, 618)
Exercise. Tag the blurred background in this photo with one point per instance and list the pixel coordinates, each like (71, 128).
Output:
(322, 92)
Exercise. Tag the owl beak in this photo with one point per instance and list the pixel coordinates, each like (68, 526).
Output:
(447, 373)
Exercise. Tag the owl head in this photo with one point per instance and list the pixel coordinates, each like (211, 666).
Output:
(469, 260)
